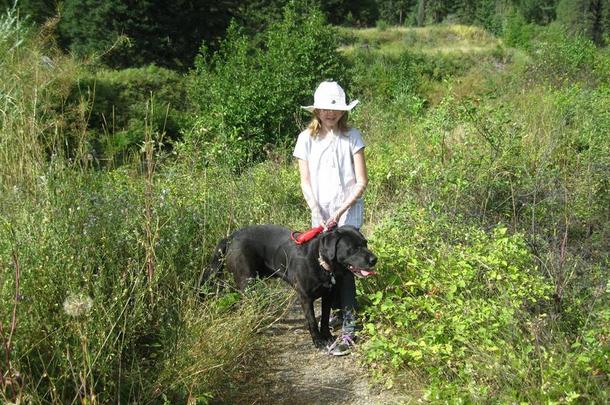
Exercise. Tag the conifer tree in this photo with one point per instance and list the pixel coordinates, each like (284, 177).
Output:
(396, 11)
(538, 11)
(164, 33)
(36, 10)
(586, 17)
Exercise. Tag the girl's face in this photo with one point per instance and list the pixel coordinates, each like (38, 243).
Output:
(330, 118)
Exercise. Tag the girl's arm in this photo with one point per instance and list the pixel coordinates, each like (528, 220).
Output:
(362, 181)
(307, 189)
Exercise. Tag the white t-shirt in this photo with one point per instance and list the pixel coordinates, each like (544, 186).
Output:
(332, 173)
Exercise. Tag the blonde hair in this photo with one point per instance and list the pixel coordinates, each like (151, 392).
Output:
(315, 124)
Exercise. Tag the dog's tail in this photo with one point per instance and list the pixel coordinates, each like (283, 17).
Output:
(216, 263)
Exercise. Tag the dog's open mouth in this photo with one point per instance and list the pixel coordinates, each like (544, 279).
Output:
(361, 272)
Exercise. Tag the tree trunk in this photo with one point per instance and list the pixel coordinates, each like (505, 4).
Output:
(595, 23)
(421, 13)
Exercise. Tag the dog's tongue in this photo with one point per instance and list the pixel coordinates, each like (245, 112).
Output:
(360, 272)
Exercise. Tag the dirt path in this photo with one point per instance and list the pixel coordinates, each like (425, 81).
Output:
(294, 372)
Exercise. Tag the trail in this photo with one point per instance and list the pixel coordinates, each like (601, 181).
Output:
(292, 371)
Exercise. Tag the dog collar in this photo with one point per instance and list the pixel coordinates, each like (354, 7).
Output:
(325, 265)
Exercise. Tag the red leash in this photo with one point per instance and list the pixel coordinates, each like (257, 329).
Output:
(300, 238)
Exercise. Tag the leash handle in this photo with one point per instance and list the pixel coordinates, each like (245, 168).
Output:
(306, 236)
(330, 226)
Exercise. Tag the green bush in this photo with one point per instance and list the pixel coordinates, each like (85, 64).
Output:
(382, 25)
(560, 57)
(385, 78)
(517, 32)
(249, 97)
(124, 104)
(451, 301)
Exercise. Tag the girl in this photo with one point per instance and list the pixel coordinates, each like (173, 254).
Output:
(333, 179)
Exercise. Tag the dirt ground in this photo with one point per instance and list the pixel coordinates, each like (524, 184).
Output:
(292, 371)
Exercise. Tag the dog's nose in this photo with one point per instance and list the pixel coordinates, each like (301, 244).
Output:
(372, 260)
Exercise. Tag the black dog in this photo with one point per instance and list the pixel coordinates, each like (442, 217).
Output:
(311, 268)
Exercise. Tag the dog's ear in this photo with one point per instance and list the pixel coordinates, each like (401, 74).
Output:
(353, 232)
(328, 245)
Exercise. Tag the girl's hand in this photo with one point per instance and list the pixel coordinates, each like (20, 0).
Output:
(330, 224)
(333, 220)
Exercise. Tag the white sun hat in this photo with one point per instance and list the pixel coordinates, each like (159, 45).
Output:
(330, 96)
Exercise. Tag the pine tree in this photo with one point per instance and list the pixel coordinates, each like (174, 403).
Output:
(595, 23)
(485, 13)
(37, 10)
(168, 34)
(538, 11)
(395, 11)
(606, 19)
(336, 11)
(586, 17)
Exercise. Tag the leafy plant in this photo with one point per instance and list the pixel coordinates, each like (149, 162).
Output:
(272, 80)
(122, 102)
(451, 300)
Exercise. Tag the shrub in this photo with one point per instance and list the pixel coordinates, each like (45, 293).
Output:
(123, 102)
(382, 25)
(519, 152)
(559, 58)
(386, 79)
(451, 301)
(517, 32)
(249, 96)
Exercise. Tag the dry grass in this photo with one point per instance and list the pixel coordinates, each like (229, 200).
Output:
(218, 341)
(33, 75)
(445, 39)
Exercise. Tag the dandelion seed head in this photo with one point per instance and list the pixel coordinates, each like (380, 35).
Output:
(77, 305)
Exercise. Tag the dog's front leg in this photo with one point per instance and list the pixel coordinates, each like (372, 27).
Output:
(307, 305)
(324, 317)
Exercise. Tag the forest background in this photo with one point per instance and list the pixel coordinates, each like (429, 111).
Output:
(135, 135)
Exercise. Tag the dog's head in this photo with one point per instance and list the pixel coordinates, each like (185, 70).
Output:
(347, 247)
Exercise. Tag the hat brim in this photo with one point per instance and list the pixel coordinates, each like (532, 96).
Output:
(348, 107)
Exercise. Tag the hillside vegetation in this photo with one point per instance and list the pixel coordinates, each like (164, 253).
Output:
(487, 206)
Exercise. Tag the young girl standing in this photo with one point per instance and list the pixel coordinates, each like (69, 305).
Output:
(333, 178)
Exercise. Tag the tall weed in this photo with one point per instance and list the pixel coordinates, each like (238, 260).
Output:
(87, 241)
(34, 78)
(101, 267)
